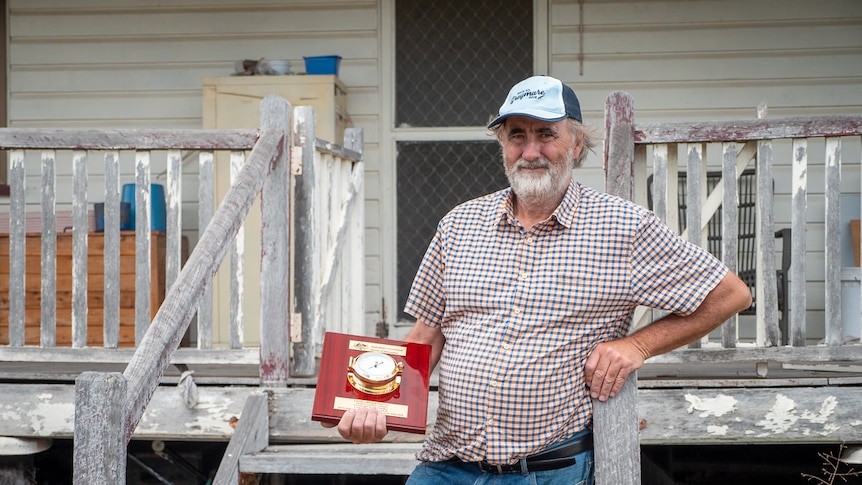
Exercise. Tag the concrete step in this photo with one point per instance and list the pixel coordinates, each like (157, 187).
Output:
(347, 458)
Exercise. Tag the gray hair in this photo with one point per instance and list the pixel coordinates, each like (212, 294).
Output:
(587, 134)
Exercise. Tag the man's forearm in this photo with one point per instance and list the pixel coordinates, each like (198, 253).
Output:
(727, 299)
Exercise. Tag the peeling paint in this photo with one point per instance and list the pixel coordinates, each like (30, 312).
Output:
(780, 417)
(716, 406)
(717, 430)
(826, 410)
(783, 416)
(46, 417)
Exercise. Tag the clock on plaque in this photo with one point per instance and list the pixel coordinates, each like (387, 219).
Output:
(357, 372)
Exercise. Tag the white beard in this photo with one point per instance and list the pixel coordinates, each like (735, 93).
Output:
(534, 189)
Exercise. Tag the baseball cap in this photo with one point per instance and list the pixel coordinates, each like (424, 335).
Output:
(541, 97)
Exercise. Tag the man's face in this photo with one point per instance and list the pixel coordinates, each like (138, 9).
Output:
(538, 157)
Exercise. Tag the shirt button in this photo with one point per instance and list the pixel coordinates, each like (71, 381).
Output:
(491, 422)
(516, 311)
(493, 383)
(506, 346)
(528, 240)
(523, 275)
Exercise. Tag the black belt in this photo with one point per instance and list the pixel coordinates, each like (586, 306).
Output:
(559, 457)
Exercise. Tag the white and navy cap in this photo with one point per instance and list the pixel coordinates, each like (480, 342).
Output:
(541, 97)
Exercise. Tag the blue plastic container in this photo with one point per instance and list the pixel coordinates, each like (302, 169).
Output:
(322, 64)
(125, 208)
(158, 210)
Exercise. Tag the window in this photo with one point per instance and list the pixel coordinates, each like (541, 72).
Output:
(455, 62)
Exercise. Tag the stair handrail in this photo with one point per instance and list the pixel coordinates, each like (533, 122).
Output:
(266, 168)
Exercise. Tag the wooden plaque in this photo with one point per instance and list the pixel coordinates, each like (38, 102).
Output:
(405, 406)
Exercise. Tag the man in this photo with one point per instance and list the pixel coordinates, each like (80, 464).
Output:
(526, 297)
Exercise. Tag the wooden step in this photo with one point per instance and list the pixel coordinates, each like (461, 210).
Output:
(332, 459)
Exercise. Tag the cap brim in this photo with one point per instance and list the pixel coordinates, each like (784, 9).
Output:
(535, 114)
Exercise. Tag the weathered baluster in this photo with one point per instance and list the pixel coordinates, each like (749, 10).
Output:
(17, 247)
(174, 227)
(111, 321)
(832, 245)
(660, 182)
(80, 228)
(237, 289)
(307, 273)
(355, 249)
(730, 230)
(695, 183)
(766, 298)
(49, 250)
(206, 178)
(142, 244)
(798, 300)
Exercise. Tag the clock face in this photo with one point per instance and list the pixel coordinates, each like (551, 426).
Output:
(374, 366)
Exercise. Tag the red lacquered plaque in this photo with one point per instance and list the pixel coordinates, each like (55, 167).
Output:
(357, 372)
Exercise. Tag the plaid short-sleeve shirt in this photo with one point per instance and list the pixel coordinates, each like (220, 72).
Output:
(522, 309)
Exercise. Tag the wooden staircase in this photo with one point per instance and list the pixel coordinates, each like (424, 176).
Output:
(275, 435)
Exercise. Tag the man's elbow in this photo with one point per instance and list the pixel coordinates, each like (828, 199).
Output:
(740, 294)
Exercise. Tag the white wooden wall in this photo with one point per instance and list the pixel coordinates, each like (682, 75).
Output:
(132, 63)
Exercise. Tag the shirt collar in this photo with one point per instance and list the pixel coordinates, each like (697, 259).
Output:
(564, 213)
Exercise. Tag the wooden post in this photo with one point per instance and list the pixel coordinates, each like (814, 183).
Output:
(99, 447)
(307, 272)
(251, 435)
(619, 144)
(615, 422)
(615, 437)
(275, 285)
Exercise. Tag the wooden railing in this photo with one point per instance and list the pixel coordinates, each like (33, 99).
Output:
(109, 405)
(633, 149)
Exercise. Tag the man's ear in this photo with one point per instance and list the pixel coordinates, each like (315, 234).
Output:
(578, 146)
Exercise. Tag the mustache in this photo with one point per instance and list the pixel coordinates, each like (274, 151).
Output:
(531, 164)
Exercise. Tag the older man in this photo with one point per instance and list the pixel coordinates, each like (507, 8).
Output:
(526, 296)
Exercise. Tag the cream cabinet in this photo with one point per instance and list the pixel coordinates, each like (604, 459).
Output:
(234, 102)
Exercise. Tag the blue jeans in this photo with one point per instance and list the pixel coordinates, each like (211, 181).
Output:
(456, 472)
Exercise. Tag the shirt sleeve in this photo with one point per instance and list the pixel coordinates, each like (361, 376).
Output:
(426, 300)
(668, 272)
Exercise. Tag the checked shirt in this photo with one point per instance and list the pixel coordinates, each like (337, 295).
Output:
(522, 309)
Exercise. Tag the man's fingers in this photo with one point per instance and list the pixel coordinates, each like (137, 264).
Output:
(380, 428)
(345, 425)
(364, 425)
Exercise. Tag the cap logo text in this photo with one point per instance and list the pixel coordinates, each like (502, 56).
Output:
(527, 93)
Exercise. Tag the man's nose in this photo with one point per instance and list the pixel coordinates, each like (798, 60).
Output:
(532, 150)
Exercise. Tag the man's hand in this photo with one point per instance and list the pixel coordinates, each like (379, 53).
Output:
(365, 425)
(610, 363)
(608, 366)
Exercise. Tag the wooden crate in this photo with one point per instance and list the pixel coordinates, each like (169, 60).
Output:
(95, 287)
